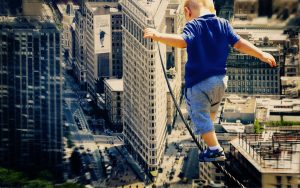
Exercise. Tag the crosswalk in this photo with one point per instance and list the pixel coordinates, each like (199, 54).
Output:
(78, 113)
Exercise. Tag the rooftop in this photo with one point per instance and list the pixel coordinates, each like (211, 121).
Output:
(25, 23)
(150, 6)
(260, 34)
(67, 9)
(148, 9)
(259, 23)
(280, 105)
(233, 127)
(240, 105)
(115, 84)
(271, 152)
(101, 8)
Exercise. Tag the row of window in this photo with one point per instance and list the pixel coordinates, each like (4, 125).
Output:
(256, 90)
(258, 84)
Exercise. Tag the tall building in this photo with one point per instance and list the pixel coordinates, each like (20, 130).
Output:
(31, 95)
(103, 43)
(145, 91)
(68, 33)
(270, 159)
(176, 57)
(80, 48)
(248, 75)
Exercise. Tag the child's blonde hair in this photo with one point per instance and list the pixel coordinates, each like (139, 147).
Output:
(209, 4)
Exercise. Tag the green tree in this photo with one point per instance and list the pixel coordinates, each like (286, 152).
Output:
(38, 184)
(69, 185)
(45, 175)
(11, 178)
(257, 127)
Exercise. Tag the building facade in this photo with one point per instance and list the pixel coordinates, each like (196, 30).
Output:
(68, 33)
(246, 9)
(243, 110)
(79, 67)
(103, 44)
(176, 57)
(113, 89)
(145, 91)
(266, 160)
(248, 75)
(281, 109)
(31, 95)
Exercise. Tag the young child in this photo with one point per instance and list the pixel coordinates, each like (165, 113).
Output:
(206, 38)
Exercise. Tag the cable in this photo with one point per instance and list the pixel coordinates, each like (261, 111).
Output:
(221, 168)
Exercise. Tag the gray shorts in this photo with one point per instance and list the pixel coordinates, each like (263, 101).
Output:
(204, 98)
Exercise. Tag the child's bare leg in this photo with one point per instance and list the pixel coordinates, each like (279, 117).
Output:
(210, 139)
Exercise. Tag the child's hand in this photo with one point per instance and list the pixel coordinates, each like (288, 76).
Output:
(151, 33)
(268, 58)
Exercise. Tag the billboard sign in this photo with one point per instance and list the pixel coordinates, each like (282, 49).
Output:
(102, 33)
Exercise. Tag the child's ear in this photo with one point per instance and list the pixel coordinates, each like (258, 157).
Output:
(187, 11)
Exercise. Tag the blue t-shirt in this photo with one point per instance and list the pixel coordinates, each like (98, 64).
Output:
(208, 38)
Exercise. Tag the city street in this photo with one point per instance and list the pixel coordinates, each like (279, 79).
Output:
(125, 172)
(172, 169)
(78, 126)
(175, 167)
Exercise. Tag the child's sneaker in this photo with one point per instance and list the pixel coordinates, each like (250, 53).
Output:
(212, 155)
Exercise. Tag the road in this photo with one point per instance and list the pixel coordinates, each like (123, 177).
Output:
(83, 135)
(169, 162)
(191, 163)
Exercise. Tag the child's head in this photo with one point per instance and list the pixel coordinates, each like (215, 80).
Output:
(193, 8)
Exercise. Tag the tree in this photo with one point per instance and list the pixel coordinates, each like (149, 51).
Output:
(11, 178)
(38, 184)
(69, 185)
(257, 127)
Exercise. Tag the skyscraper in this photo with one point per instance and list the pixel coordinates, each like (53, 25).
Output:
(103, 43)
(80, 47)
(31, 95)
(145, 91)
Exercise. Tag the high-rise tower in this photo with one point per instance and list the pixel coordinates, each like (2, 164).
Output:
(30, 95)
(145, 91)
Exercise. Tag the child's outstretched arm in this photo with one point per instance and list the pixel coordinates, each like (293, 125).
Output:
(246, 47)
(168, 39)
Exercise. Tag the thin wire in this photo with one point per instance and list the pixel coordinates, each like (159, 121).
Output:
(220, 167)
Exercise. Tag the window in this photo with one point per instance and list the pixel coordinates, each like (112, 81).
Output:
(278, 179)
(289, 179)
